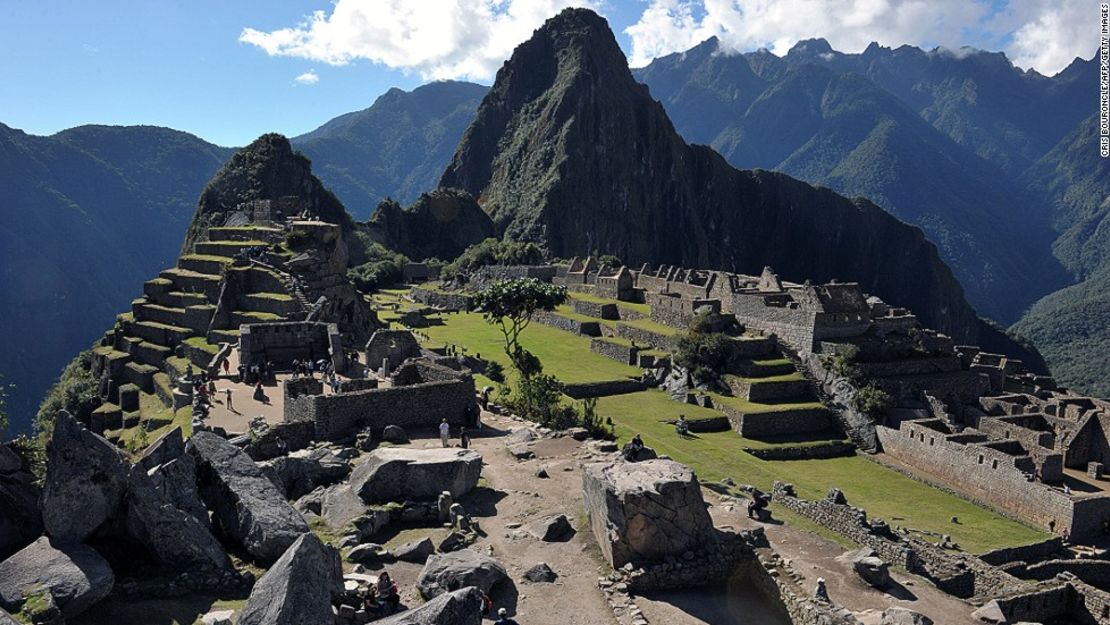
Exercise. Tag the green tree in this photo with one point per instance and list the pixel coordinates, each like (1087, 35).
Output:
(872, 401)
(511, 305)
(76, 391)
(702, 350)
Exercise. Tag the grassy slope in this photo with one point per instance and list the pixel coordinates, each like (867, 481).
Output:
(881, 491)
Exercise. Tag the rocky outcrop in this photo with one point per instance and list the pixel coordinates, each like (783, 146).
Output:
(20, 519)
(569, 150)
(552, 529)
(298, 589)
(644, 511)
(440, 224)
(870, 567)
(162, 515)
(302, 471)
(461, 607)
(76, 576)
(84, 473)
(417, 551)
(267, 169)
(464, 568)
(246, 505)
(396, 474)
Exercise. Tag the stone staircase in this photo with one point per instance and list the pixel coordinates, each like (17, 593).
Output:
(167, 329)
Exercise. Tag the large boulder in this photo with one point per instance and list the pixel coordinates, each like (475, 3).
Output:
(6, 619)
(246, 505)
(169, 446)
(417, 551)
(75, 576)
(395, 434)
(161, 514)
(870, 568)
(86, 477)
(466, 567)
(645, 511)
(302, 471)
(399, 474)
(340, 505)
(20, 519)
(462, 607)
(902, 616)
(298, 589)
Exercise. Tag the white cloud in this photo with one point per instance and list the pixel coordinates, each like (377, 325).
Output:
(436, 38)
(307, 78)
(1045, 34)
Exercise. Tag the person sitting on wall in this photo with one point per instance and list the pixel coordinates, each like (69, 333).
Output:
(682, 427)
(632, 449)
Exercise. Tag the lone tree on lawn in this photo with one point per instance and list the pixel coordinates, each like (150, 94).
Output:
(511, 304)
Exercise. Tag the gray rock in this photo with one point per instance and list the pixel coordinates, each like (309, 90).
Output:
(85, 473)
(399, 474)
(302, 471)
(171, 530)
(645, 511)
(465, 567)
(394, 434)
(552, 529)
(6, 619)
(365, 553)
(416, 551)
(462, 607)
(20, 519)
(455, 541)
(246, 506)
(870, 568)
(541, 573)
(578, 434)
(340, 506)
(10, 462)
(523, 435)
(218, 617)
(521, 451)
(169, 446)
(990, 613)
(902, 616)
(76, 576)
(542, 474)
(298, 589)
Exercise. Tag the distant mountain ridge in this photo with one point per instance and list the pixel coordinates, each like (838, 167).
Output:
(569, 150)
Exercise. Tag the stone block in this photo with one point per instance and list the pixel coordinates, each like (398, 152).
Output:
(645, 511)
(1094, 470)
(399, 474)
(129, 398)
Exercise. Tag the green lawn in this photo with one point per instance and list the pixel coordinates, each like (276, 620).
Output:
(881, 491)
(742, 405)
(566, 356)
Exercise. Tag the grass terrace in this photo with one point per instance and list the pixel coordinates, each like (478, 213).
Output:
(643, 309)
(883, 492)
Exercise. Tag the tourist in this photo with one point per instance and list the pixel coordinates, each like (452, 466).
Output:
(212, 387)
(682, 427)
(485, 396)
(227, 365)
(259, 394)
(227, 398)
(464, 438)
(1067, 489)
(503, 618)
(242, 373)
(388, 596)
(445, 433)
(821, 593)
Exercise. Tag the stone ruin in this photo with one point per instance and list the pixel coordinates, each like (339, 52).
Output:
(390, 348)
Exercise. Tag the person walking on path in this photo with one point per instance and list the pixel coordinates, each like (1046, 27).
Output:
(445, 433)
(227, 396)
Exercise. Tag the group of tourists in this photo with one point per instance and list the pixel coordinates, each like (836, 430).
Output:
(254, 373)
(306, 368)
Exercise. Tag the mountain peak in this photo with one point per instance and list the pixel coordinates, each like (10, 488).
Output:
(811, 47)
(267, 169)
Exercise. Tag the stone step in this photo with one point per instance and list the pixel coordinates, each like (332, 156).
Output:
(149, 353)
(226, 248)
(224, 336)
(194, 282)
(140, 375)
(276, 303)
(179, 299)
(156, 287)
(260, 280)
(158, 333)
(765, 368)
(770, 391)
(213, 265)
(196, 318)
(239, 317)
(244, 233)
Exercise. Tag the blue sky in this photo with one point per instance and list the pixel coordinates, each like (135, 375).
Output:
(228, 70)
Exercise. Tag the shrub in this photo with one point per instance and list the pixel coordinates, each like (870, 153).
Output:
(872, 401)
(537, 398)
(76, 391)
(597, 426)
(382, 268)
(493, 252)
(702, 351)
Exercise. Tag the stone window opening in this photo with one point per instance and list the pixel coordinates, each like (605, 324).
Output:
(994, 464)
(931, 441)
(980, 458)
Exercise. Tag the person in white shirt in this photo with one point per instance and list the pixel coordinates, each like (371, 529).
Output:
(445, 433)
